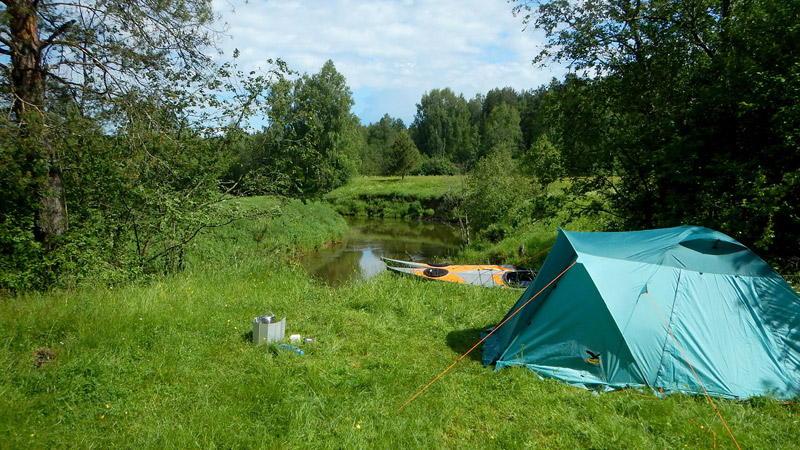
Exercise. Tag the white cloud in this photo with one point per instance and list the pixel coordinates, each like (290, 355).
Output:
(390, 51)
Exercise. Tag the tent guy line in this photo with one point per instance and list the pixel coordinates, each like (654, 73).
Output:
(680, 348)
(484, 338)
(531, 257)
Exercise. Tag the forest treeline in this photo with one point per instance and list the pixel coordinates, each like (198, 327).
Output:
(124, 140)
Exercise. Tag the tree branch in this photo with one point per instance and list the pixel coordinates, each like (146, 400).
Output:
(194, 234)
(700, 43)
(7, 43)
(59, 31)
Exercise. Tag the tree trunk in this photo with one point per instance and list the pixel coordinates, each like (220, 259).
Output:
(28, 87)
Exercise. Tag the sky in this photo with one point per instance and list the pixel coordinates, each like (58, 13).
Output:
(390, 51)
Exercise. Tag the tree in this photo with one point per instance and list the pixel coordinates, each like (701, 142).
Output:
(114, 111)
(496, 97)
(695, 109)
(323, 104)
(380, 136)
(311, 143)
(502, 131)
(442, 127)
(96, 51)
(403, 156)
(496, 196)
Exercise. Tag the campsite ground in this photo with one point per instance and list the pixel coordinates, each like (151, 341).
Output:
(168, 363)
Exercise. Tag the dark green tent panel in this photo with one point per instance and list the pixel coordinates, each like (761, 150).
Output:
(644, 308)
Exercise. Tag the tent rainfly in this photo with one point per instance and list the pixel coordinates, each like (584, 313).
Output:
(667, 309)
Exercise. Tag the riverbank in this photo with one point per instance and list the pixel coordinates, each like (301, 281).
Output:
(358, 256)
(427, 198)
(168, 363)
(412, 197)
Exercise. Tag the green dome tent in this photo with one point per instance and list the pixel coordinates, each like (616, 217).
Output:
(660, 309)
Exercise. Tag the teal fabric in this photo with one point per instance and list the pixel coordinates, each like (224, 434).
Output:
(676, 310)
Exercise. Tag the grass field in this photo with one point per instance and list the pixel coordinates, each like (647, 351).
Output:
(410, 186)
(169, 364)
(414, 197)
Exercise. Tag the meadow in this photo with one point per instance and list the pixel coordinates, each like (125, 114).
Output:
(409, 186)
(168, 363)
(412, 197)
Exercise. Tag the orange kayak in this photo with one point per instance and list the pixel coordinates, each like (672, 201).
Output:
(487, 275)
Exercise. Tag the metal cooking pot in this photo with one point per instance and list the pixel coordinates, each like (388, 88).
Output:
(266, 318)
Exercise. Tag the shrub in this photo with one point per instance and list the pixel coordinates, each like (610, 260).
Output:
(438, 166)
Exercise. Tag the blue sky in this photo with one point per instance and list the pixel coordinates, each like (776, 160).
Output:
(390, 51)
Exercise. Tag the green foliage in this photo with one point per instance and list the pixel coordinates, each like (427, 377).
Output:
(312, 142)
(402, 156)
(535, 238)
(379, 138)
(691, 116)
(442, 127)
(543, 162)
(111, 164)
(497, 97)
(437, 166)
(496, 196)
(19, 176)
(502, 130)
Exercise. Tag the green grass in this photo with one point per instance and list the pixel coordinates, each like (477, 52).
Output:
(414, 197)
(169, 364)
(288, 228)
(410, 186)
(536, 238)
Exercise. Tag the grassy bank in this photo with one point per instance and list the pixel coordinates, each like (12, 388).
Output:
(279, 229)
(169, 364)
(412, 197)
(535, 239)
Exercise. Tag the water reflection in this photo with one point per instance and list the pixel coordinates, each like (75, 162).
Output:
(359, 256)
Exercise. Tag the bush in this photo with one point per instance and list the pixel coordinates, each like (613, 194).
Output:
(497, 196)
(438, 166)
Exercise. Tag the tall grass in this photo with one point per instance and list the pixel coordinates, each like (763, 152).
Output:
(280, 229)
(169, 364)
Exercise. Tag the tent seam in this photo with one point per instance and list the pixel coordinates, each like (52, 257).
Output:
(669, 326)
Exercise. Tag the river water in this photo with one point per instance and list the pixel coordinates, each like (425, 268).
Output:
(358, 257)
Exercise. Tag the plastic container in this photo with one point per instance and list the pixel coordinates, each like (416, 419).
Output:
(291, 348)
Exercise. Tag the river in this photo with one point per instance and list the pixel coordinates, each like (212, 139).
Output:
(358, 257)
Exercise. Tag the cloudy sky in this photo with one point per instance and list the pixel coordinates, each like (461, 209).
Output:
(390, 51)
